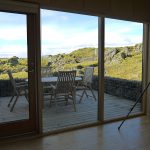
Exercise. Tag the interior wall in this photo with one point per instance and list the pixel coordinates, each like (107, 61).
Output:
(135, 10)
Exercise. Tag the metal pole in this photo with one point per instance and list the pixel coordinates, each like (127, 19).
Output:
(139, 98)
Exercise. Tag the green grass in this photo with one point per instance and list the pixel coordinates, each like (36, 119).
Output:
(115, 66)
(18, 75)
(130, 68)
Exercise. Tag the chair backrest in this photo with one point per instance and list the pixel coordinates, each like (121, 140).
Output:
(45, 71)
(65, 81)
(88, 75)
(12, 80)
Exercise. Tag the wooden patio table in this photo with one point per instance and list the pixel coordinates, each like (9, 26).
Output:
(53, 80)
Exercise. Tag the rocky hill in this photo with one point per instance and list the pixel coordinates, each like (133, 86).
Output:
(121, 62)
(77, 59)
(124, 62)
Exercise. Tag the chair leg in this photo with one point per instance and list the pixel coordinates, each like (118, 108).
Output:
(86, 94)
(56, 105)
(11, 100)
(92, 93)
(50, 102)
(26, 95)
(82, 96)
(74, 100)
(66, 98)
(14, 103)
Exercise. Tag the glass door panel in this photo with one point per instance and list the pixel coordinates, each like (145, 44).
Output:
(123, 67)
(18, 47)
(14, 103)
(69, 42)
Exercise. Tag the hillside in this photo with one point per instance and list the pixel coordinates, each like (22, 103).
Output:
(124, 62)
(77, 59)
(121, 62)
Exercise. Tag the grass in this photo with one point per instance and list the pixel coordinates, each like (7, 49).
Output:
(18, 75)
(129, 67)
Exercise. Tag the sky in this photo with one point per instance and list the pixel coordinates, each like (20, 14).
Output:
(64, 32)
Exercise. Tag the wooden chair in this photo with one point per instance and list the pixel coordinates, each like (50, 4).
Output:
(86, 83)
(19, 89)
(46, 88)
(65, 87)
(45, 71)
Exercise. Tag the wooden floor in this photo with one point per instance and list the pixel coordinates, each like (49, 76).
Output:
(65, 116)
(134, 135)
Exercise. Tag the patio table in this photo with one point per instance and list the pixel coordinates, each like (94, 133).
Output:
(53, 79)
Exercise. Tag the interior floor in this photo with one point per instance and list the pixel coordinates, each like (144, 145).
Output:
(134, 135)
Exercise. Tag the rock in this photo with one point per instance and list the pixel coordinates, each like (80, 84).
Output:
(127, 50)
(112, 53)
(138, 47)
(123, 55)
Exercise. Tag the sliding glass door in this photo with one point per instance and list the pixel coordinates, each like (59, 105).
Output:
(18, 100)
(69, 42)
(123, 67)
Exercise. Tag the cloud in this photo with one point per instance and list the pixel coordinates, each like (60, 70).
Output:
(15, 33)
(61, 40)
(53, 16)
(12, 19)
(120, 38)
(48, 13)
(52, 34)
(13, 42)
(64, 32)
(13, 50)
(122, 33)
(56, 40)
(64, 18)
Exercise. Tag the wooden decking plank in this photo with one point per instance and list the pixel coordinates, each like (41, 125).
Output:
(66, 116)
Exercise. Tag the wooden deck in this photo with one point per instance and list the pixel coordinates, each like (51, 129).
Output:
(65, 115)
(86, 112)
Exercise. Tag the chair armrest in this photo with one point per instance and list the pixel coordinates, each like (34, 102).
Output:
(47, 87)
(53, 86)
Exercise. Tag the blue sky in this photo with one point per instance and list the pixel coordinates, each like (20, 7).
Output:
(13, 36)
(63, 32)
